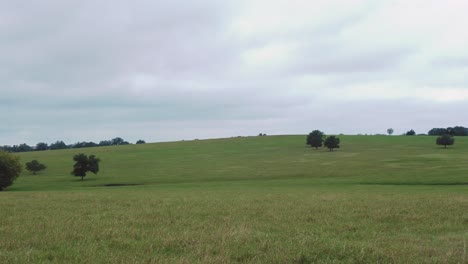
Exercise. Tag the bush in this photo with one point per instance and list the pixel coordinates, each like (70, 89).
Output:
(10, 169)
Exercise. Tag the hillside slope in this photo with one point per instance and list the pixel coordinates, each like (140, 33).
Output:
(361, 160)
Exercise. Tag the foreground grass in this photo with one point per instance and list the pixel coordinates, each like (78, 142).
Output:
(218, 225)
(258, 200)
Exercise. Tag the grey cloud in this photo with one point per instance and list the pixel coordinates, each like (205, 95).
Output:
(332, 62)
(86, 45)
(451, 62)
(175, 69)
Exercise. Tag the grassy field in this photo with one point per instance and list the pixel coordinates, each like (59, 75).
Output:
(378, 199)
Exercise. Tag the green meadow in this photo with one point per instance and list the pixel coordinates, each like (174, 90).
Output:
(377, 199)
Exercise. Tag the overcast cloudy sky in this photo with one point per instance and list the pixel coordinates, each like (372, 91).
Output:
(87, 70)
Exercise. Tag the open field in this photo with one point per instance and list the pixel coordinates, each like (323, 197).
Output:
(260, 199)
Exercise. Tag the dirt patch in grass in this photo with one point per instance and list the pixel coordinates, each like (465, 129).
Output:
(119, 184)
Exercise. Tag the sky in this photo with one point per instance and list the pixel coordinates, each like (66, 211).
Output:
(87, 70)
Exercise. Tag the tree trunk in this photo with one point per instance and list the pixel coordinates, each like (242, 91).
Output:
(82, 177)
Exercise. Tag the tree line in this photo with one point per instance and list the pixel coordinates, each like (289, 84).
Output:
(445, 136)
(61, 145)
(453, 131)
(317, 138)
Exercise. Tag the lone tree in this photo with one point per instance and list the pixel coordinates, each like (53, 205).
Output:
(10, 169)
(34, 166)
(85, 164)
(411, 133)
(332, 142)
(390, 131)
(315, 139)
(140, 141)
(445, 140)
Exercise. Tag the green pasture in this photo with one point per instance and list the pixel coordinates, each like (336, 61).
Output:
(377, 199)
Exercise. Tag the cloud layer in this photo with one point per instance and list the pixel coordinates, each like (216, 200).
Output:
(159, 70)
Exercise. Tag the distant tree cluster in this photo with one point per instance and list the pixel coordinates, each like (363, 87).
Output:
(317, 139)
(41, 146)
(262, 135)
(453, 131)
(17, 148)
(103, 143)
(411, 133)
(58, 145)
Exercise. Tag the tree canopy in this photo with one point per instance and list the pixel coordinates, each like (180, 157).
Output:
(315, 139)
(34, 166)
(445, 140)
(332, 142)
(85, 164)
